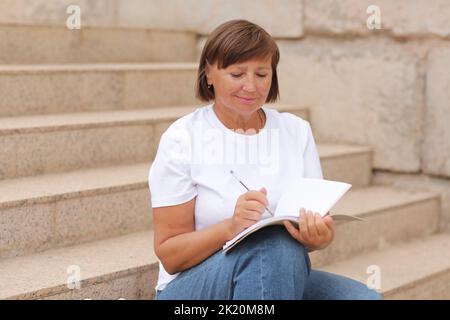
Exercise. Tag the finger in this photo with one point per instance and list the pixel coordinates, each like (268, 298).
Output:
(302, 222)
(329, 223)
(247, 222)
(251, 215)
(312, 230)
(263, 190)
(255, 206)
(291, 229)
(322, 228)
(328, 220)
(255, 214)
(258, 196)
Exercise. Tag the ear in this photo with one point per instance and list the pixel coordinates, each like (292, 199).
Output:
(207, 73)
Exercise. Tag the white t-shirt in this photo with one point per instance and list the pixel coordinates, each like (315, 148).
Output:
(197, 152)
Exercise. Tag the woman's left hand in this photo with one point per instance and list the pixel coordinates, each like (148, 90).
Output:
(314, 232)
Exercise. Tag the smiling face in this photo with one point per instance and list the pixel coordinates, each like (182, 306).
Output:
(241, 87)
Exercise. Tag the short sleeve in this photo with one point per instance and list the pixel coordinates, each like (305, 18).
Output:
(311, 160)
(169, 177)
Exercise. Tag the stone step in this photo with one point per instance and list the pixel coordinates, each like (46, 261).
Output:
(66, 88)
(55, 210)
(63, 142)
(60, 205)
(348, 163)
(40, 44)
(120, 267)
(80, 206)
(126, 267)
(416, 270)
(393, 215)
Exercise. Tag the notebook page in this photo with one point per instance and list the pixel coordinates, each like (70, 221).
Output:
(317, 195)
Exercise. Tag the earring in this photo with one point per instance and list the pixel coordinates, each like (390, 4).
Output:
(209, 86)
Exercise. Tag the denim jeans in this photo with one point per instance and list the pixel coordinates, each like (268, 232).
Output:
(268, 264)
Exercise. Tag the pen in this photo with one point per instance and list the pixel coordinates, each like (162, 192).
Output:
(232, 173)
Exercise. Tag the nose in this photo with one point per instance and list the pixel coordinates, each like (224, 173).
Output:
(249, 84)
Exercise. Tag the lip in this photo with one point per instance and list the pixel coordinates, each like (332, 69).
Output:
(246, 99)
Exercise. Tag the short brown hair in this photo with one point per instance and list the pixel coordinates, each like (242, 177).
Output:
(233, 42)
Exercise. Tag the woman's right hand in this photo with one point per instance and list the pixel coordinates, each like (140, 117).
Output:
(248, 210)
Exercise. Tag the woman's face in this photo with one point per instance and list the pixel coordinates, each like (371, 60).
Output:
(242, 87)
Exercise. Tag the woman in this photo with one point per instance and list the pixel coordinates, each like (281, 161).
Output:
(198, 205)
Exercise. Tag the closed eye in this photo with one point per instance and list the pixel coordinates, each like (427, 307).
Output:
(235, 75)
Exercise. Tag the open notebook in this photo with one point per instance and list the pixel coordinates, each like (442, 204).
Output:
(317, 195)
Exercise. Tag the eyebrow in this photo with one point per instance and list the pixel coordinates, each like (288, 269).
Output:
(259, 68)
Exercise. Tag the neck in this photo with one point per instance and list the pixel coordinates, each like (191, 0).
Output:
(252, 122)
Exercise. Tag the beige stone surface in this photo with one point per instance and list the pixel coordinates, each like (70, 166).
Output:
(50, 211)
(53, 12)
(85, 120)
(346, 163)
(360, 92)
(282, 18)
(436, 143)
(146, 283)
(114, 289)
(401, 18)
(8, 165)
(43, 153)
(26, 229)
(83, 219)
(38, 89)
(89, 148)
(422, 182)
(25, 44)
(393, 216)
(74, 184)
(434, 287)
(99, 263)
(138, 286)
(402, 277)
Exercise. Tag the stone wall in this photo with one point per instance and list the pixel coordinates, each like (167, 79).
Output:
(282, 17)
(390, 86)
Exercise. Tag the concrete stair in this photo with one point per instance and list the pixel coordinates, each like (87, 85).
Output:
(348, 163)
(41, 44)
(78, 206)
(126, 267)
(419, 269)
(81, 115)
(90, 208)
(71, 88)
(393, 216)
(120, 267)
(48, 211)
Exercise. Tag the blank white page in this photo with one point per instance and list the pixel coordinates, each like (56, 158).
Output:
(317, 195)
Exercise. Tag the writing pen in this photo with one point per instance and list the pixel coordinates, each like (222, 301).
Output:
(232, 173)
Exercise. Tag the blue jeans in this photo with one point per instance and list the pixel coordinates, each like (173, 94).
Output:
(269, 264)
